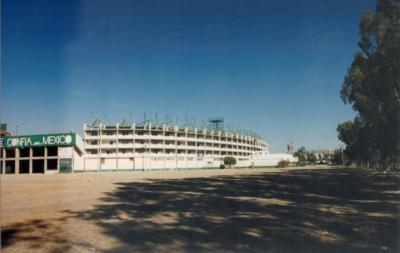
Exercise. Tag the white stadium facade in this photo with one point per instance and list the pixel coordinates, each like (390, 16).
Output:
(136, 147)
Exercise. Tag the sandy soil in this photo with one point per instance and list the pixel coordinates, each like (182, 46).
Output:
(236, 210)
(27, 197)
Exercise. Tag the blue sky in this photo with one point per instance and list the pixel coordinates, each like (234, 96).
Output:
(273, 67)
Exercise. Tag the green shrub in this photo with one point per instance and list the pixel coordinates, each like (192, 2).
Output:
(283, 164)
(229, 161)
(222, 166)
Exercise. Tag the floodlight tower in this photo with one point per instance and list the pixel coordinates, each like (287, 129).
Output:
(217, 123)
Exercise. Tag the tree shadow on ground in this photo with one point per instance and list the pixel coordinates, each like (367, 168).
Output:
(338, 210)
(40, 235)
(34, 234)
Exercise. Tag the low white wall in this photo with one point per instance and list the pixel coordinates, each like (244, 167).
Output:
(91, 164)
(125, 164)
(269, 160)
(243, 164)
(172, 162)
(109, 164)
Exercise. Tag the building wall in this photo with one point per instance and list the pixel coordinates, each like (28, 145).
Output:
(27, 163)
(78, 160)
(270, 160)
(91, 164)
(152, 147)
(126, 164)
(149, 162)
(109, 164)
(146, 148)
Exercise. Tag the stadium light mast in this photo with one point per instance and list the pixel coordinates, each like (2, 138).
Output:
(217, 123)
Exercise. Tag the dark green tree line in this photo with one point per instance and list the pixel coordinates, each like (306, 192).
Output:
(372, 88)
(305, 156)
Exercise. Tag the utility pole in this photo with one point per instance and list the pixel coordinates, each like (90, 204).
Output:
(16, 129)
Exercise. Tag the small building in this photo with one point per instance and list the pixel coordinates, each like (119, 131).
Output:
(265, 159)
(43, 154)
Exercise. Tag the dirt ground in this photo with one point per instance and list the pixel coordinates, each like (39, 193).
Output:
(236, 210)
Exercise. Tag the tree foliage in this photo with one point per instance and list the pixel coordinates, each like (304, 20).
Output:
(311, 157)
(229, 160)
(338, 157)
(301, 154)
(305, 156)
(283, 164)
(372, 88)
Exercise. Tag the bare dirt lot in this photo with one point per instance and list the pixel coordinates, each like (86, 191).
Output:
(249, 210)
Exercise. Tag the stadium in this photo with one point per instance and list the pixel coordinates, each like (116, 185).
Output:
(166, 145)
(137, 146)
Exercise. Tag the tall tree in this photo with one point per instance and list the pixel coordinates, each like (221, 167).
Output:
(372, 87)
(311, 157)
(301, 154)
